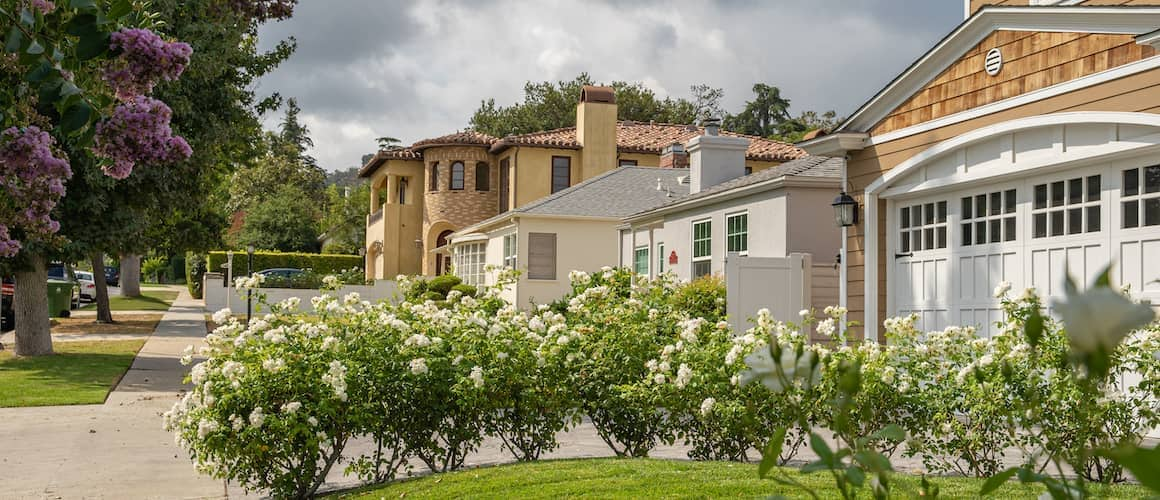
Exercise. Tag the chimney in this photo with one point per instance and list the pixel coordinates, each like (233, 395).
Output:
(675, 156)
(596, 130)
(714, 158)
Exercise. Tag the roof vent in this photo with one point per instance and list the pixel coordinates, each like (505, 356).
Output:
(592, 93)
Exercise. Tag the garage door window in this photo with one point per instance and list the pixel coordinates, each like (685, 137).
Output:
(988, 218)
(1069, 206)
(1141, 195)
(923, 227)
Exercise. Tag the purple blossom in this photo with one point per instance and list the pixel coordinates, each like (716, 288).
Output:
(138, 132)
(33, 180)
(145, 60)
(42, 6)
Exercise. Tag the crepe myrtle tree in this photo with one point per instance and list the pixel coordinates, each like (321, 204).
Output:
(77, 78)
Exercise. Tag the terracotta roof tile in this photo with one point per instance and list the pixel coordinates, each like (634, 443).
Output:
(383, 155)
(470, 137)
(653, 138)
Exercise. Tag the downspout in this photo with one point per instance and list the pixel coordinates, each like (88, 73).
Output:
(842, 260)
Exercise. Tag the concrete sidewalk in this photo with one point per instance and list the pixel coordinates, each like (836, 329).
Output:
(114, 450)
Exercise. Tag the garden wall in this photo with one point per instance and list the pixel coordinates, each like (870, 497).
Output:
(216, 294)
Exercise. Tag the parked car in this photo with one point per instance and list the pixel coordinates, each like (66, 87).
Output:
(88, 286)
(7, 315)
(112, 276)
(282, 272)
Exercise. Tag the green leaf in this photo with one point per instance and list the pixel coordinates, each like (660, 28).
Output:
(40, 72)
(1105, 278)
(92, 45)
(35, 48)
(14, 40)
(855, 475)
(82, 24)
(1033, 328)
(27, 18)
(119, 9)
(994, 482)
(892, 432)
(772, 450)
(76, 117)
(821, 448)
(815, 466)
(83, 4)
(69, 88)
(1144, 463)
(873, 460)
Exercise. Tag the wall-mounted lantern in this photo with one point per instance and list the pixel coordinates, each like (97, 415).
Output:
(845, 210)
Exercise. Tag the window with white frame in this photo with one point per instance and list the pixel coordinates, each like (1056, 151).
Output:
(469, 262)
(737, 233)
(640, 260)
(988, 218)
(509, 250)
(660, 258)
(1070, 206)
(922, 227)
(1140, 197)
(702, 248)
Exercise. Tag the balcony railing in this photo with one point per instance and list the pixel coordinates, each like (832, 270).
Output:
(375, 217)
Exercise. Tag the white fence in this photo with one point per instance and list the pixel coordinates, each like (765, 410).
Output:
(218, 297)
(779, 284)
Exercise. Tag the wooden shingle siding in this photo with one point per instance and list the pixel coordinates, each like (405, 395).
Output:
(1031, 61)
(978, 4)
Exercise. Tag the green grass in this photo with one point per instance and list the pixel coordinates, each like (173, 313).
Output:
(79, 373)
(644, 478)
(150, 300)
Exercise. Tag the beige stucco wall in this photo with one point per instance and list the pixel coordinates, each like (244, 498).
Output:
(584, 245)
(390, 241)
(596, 133)
(533, 172)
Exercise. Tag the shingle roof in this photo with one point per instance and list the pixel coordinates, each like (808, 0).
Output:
(617, 193)
(468, 137)
(810, 166)
(636, 137)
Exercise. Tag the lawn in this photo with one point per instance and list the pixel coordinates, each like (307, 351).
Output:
(79, 373)
(132, 324)
(644, 478)
(150, 300)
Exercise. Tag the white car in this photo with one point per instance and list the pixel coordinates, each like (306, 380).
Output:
(88, 286)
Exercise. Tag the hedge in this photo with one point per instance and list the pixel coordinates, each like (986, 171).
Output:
(194, 270)
(320, 263)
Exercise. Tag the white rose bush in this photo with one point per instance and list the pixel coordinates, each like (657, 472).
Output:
(426, 378)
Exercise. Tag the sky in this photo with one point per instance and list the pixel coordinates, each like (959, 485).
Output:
(416, 69)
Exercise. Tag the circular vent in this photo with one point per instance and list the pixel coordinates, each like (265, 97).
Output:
(993, 62)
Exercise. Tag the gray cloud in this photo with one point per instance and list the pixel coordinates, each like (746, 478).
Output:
(366, 68)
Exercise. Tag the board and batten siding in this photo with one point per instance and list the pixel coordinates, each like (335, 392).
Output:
(1139, 92)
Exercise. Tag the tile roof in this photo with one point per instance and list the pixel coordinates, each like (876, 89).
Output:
(388, 154)
(468, 137)
(653, 138)
(810, 166)
(617, 193)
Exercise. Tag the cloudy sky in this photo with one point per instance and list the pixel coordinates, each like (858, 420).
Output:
(415, 69)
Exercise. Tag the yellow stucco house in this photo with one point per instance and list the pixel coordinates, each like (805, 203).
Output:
(422, 194)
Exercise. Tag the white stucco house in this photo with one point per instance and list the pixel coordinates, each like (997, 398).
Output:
(771, 213)
(573, 229)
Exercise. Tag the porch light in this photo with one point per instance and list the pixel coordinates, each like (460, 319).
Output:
(845, 210)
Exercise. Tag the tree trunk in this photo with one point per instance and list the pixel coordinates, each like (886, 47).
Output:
(104, 314)
(130, 275)
(33, 331)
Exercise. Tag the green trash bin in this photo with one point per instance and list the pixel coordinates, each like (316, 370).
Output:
(60, 298)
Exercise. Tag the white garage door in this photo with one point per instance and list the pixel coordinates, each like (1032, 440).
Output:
(950, 250)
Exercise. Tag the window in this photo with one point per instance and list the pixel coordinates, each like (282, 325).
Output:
(922, 227)
(434, 185)
(1141, 207)
(402, 196)
(660, 258)
(542, 256)
(737, 233)
(988, 218)
(482, 177)
(627, 163)
(457, 174)
(509, 250)
(504, 172)
(469, 263)
(702, 248)
(1069, 206)
(561, 173)
(640, 260)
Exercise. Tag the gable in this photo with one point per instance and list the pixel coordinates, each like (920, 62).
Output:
(1031, 61)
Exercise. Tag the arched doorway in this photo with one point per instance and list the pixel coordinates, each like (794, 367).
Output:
(443, 261)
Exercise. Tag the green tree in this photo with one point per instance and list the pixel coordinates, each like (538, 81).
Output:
(762, 115)
(283, 162)
(345, 221)
(285, 221)
(552, 105)
(793, 129)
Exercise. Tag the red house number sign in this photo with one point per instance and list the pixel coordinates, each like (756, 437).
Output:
(673, 258)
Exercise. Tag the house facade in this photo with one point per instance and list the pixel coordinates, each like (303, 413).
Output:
(1022, 147)
(423, 193)
(574, 229)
